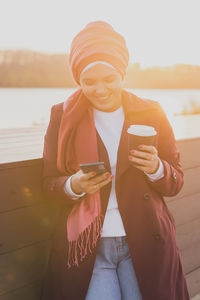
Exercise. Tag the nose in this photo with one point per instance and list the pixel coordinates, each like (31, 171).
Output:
(100, 89)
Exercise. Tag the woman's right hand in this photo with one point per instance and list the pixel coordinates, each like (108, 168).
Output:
(83, 182)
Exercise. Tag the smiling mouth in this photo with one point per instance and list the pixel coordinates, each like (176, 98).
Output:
(103, 98)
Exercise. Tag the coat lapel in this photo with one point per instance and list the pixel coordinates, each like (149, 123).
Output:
(103, 154)
(122, 156)
(135, 111)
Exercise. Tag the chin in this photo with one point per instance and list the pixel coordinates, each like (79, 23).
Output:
(106, 107)
(110, 109)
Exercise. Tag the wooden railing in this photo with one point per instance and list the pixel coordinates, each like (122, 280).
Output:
(185, 208)
(27, 220)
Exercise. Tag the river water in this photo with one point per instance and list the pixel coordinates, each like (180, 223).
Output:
(27, 107)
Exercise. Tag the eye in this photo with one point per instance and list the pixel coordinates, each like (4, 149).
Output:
(88, 82)
(109, 79)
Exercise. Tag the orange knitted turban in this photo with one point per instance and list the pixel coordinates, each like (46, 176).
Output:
(98, 42)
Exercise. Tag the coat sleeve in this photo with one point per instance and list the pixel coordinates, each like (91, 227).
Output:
(172, 182)
(53, 181)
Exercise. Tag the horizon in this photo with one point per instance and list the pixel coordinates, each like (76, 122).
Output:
(141, 66)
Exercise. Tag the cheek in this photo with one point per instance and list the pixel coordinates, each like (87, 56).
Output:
(116, 88)
(116, 85)
(88, 90)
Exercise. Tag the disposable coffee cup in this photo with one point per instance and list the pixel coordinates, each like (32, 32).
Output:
(140, 135)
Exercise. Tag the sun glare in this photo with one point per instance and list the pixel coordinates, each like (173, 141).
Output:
(157, 32)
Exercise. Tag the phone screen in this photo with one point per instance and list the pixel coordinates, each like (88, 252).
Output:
(97, 167)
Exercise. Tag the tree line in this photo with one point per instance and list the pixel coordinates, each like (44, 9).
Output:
(23, 68)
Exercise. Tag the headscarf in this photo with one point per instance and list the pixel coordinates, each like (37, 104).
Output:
(98, 41)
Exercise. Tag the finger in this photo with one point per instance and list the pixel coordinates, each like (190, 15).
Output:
(142, 154)
(148, 170)
(90, 183)
(87, 176)
(140, 161)
(150, 149)
(104, 182)
(100, 178)
(142, 168)
(94, 188)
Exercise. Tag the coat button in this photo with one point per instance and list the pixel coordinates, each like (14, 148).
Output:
(146, 196)
(52, 188)
(157, 236)
(174, 176)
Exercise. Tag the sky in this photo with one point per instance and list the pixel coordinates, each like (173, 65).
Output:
(157, 32)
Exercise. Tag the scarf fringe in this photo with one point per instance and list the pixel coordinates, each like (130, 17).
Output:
(78, 249)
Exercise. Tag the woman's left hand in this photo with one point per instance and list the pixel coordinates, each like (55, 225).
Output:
(146, 158)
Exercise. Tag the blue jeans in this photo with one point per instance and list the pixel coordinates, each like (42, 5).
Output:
(113, 275)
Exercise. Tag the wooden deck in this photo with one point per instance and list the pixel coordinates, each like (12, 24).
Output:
(27, 218)
(18, 144)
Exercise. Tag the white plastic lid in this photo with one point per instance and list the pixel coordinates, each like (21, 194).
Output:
(141, 130)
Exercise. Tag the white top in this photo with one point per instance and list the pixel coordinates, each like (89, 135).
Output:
(109, 126)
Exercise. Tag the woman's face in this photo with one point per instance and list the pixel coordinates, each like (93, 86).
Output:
(102, 85)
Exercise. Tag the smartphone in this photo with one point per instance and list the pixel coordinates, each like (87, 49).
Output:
(97, 167)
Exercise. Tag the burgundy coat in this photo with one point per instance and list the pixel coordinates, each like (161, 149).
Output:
(149, 225)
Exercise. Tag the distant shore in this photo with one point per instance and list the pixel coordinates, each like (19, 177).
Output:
(192, 108)
(23, 68)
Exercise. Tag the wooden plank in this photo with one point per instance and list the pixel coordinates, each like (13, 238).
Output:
(20, 186)
(189, 150)
(22, 130)
(196, 297)
(14, 136)
(19, 164)
(31, 152)
(191, 184)
(21, 143)
(193, 281)
(185, 209)
(191, 258)
(23, 266)
(188, 234)
(26, 226)
(29, 292)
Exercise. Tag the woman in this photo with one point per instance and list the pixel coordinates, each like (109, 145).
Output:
(115, 238)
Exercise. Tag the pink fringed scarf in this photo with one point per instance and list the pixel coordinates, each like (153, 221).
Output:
(77, 143)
